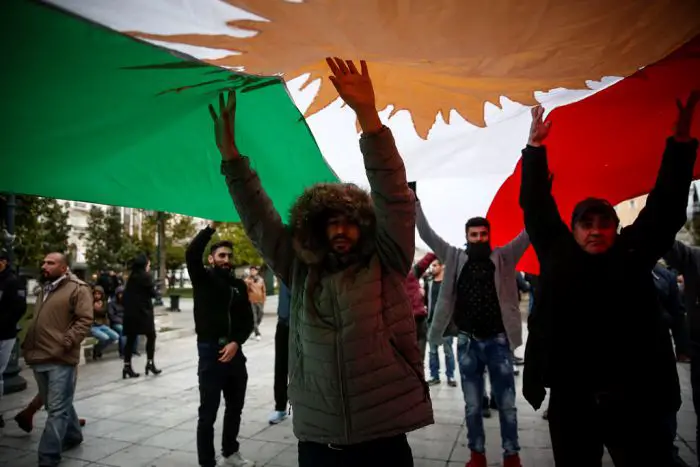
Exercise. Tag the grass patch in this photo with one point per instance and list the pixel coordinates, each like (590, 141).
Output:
(184, 293)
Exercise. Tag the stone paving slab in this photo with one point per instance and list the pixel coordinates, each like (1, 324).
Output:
(151, 421)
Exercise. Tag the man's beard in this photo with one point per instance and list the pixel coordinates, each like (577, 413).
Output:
(223, 270)
(44, 279)
(479, 250)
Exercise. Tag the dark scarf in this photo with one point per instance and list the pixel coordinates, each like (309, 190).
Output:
(479, 251)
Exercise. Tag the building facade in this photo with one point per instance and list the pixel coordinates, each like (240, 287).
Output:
(78, 214)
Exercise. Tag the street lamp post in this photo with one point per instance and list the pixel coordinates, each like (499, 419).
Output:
(13, 381)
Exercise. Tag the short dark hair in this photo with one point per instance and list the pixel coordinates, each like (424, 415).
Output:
(478, 222)
(220, 244)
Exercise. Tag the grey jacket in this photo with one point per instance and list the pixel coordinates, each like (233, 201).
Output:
(355, 371)
(454, 259)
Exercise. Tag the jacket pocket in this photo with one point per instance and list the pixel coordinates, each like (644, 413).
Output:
(400, 357)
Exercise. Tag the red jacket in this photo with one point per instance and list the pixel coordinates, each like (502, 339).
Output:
(413, 286)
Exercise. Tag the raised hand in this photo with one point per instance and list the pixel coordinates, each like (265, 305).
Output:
(539, 129)
(225, 126)
(685, 116)
(355, 88)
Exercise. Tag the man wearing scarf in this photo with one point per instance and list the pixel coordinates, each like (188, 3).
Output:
(478, 301)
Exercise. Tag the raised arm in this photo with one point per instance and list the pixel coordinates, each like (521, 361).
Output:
(261, 221)
(423, 264)
(542, 220)
(195, 253)
(654, 231)
(429, 236)
(393, 200)
(515, 249)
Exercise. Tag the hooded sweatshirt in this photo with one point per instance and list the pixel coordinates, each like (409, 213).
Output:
(116, 307)
(356, 373)
(100, 315)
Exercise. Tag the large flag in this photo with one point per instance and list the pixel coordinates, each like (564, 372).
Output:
(454, 79)
(93, 115)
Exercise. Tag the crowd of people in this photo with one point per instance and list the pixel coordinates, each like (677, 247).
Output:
(355, 322)
(356, 371)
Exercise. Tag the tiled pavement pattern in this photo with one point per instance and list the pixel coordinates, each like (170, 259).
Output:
(151, 421)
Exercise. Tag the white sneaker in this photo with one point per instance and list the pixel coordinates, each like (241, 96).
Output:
(236, 460)
(277, 417)
(257, 338)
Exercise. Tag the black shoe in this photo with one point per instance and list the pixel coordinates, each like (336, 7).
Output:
(137, 353)
(518, 361)
(451, 382)
(433, 381)
(486, 412)
(2, 422)
(151, 367)
(128, 372)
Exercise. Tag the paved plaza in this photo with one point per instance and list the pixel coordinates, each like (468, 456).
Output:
(151, 421)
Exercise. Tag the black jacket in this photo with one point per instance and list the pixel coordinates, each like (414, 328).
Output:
(139, 293)
(592, 309)
(13, 303)
(221, 305)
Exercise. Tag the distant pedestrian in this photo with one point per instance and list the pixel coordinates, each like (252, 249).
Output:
(139, 318)
(257, 294)
(223, 321)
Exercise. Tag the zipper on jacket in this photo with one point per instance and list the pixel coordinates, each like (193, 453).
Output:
(228, 313)
(341, 369)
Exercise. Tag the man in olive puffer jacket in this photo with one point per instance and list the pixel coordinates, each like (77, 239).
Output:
(356, 375)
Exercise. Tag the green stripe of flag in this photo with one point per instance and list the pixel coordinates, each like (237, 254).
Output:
(92, 115)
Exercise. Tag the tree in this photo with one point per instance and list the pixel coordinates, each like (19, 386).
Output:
(174, 257)
(180, 230)
(107, 243)
(96, 254)
(244, 253)
(41, 226)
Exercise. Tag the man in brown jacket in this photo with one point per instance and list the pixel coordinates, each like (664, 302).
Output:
(62, 317)
(256, 295)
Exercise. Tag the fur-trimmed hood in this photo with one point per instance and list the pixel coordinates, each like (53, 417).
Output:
(310, 212)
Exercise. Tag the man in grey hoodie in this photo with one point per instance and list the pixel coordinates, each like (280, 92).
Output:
(479, 301)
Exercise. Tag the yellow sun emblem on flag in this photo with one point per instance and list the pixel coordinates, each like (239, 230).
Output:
(435, 56)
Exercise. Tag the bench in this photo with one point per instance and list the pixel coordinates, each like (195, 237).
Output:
(86, 346)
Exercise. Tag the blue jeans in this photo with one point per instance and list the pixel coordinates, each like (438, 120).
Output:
(434, 360)
(6, 347)
(122, 339)
(104, 334)
(56, 387)
(474, 355)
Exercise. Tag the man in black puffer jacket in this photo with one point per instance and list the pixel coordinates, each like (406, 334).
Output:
(13, 304)
(596, 301)
(223, 321)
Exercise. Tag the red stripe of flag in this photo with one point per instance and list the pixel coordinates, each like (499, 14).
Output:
(608, 145)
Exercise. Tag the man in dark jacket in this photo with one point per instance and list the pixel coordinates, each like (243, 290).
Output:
(13, 304)
(223, 321)
(281, 355)
(686, 260)
(596, 287)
